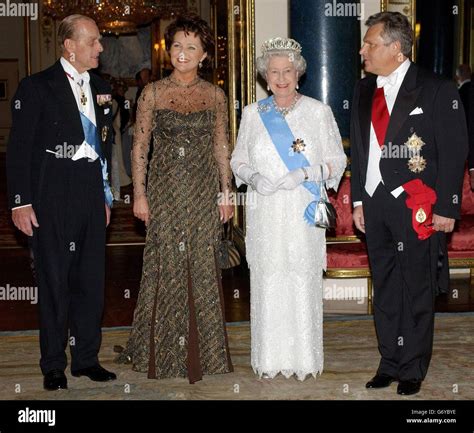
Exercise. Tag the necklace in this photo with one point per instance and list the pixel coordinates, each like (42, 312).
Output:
(182, 84)
(285, 110)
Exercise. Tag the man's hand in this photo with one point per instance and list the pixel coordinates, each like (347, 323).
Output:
(141, 210)
(443, 224)
(107, 215)
(358, 217)
(471, 175)
(23, 218)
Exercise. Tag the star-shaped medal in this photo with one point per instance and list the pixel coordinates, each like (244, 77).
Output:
(417, 164)
(415, 143)
(298, 145)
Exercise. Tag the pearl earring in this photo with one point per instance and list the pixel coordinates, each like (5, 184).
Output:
(268, 88)
(297, 86)
(200, 65)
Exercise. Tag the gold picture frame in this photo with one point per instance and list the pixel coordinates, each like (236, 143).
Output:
(242, 83)
(241, 59)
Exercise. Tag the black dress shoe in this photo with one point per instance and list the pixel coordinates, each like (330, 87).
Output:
(95, 373)
(54, 379)
(380, 381)
(408, 387)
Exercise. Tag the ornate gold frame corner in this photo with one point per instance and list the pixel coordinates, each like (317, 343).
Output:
(407, 8)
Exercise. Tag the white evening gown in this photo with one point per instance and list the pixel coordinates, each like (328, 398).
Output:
(286, 256)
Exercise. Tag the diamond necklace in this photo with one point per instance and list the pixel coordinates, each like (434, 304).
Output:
(285, 110)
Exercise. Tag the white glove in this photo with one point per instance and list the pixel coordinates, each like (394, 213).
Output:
(262, 185)
(314, 172)
(291, 180)
(296, 177)
(253, 178)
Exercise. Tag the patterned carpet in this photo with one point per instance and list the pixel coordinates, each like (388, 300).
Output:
(351, 358)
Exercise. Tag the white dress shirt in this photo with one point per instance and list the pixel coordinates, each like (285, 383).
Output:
(391, 85)
(85, 150)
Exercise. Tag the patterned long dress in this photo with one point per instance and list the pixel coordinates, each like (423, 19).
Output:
(179, 325)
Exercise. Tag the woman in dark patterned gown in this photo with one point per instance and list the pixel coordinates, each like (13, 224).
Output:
(179, 325)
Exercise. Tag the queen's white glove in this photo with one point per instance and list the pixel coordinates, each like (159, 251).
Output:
(296, 177)
(257, 181)
(291, 180)
(262, 185)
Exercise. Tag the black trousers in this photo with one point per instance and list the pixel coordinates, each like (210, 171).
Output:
(403, 286)
(69, 257)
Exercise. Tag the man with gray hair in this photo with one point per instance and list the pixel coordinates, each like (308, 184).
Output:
(57, 170)
(405, 204)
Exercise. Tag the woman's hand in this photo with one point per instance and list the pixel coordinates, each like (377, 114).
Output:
(141, 210)
(107, 215)
(226, 212)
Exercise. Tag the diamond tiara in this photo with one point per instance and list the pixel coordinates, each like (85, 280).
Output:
(281, 44)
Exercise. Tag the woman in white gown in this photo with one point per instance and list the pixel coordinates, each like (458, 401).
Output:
(284, 143)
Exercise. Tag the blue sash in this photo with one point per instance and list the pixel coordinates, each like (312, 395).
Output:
(282, 138)
(92, 138)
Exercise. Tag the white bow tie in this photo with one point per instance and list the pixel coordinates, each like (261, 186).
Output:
(85, 77)
(389, 80)
(81, 78)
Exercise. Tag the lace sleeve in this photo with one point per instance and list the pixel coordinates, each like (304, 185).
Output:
(141, 139)
(333, 151)
(221, 141)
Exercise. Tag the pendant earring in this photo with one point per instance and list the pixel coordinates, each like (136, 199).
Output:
(200, 65)
(297, 86)
(268, 88)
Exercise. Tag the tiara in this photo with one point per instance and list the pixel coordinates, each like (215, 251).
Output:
(284, 44)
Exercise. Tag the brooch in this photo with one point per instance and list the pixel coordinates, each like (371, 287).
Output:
(104, 99)
(298, 145)
(264, 108)
(417, 164)
(415, 143)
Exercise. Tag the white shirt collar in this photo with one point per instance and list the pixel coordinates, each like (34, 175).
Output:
(396, 77)
(72, 71)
